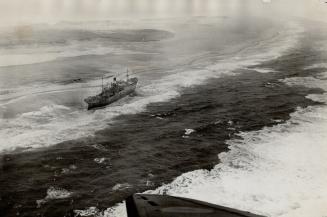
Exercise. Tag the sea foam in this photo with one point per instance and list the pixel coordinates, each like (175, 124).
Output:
(276, 171)
(21, 132)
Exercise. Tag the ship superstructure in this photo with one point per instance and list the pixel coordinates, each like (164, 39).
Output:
(112, 92)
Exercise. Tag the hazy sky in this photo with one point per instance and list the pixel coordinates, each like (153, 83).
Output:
(15, 12)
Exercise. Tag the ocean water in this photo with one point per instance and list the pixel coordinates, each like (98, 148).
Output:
(228, 110)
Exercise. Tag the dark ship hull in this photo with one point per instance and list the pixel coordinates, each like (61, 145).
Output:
(146, 205)
(108, 96)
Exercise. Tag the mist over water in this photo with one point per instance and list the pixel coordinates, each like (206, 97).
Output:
(16, 12)
(229, 108)
(50, 11)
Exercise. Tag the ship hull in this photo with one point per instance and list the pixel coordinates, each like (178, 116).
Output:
(111, 99)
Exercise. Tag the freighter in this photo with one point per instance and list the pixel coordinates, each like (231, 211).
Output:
(110, 93)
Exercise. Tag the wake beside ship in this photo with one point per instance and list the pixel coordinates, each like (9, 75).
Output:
(113, 92)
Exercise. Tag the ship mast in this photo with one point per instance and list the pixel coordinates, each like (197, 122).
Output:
(102, 83)
(127, 74)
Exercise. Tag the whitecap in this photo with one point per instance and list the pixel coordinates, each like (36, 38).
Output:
(121, 186)
(101, 160)
(57, 193)
(54, 193)
(99, 147)
(263, 70)
(91, 211)
(189, 131)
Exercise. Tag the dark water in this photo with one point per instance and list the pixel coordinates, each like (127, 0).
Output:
(142, 151)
